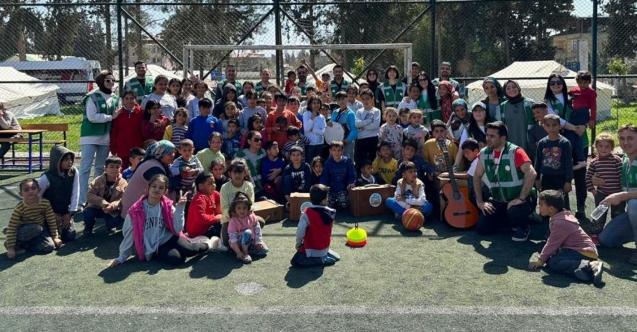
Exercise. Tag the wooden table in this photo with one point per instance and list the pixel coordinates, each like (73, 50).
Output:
(34, 136)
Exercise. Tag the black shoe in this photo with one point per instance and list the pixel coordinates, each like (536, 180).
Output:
(580, 214)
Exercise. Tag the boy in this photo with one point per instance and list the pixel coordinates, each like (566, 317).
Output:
(537, 132)
(352, 103)
(432, 152)
(136, 156)
(278, 121)
(271, 171)
(368, 125)
(367, 175)
(584, 99)
(232, 139)
(314, 232)
(409, 154)
(411, 101)
(294, 138)
(104, 197)
(215, 141)
(410, 192)
(385, 165)
(403, 115)
(296, 175)
(289, 84)
(338, 174)
(569, 249)
(32, 225)
(252, 108)
(60, 186)
(470, 151)
(416, 130)
(186, 168)
(203, 125)
(553, 162)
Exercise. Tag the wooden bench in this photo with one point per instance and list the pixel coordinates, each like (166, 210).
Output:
(49, 127)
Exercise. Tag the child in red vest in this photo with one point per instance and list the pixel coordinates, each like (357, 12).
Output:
(204, 212)
(314, 232)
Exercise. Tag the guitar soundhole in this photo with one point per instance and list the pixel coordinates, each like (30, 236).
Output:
(457, 196)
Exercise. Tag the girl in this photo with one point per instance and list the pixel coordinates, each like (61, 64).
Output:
(218, 169)
(410, 192)
(447, 96)
(495, 97)
(204, 212)
(200, 93)
(229, 94)
(154, 226)
(392, 132)
(253, 155)
(476, 129)
(247, 87)
(428, 102)
(517, 115)
(186, 93)
(244, 230)
(176, 132)
(255, 123)
(317, 170)
(230, 111)
(174, 88)
(390, 93)
(126, 132)
(459, 120)
(155, 122)
(166, 101)
(102, 106)
(314, 127)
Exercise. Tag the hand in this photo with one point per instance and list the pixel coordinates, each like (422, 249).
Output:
(444, 174)
(58, 218)
(514, 202)
(153, 117)
(57, 242)
(597, 181)
(275, 129)
(567, 188)
(594, 192)
(1, 112)
(274, 173)
(66, 221)
(350, 186)
(400, 198)
(277, 180)
(107, 209)
(116, 113)
(105, 204)
(344, 141)
(579, 130)
(538, 185)
(486, 207)
(591, 123)
(186, 169)
(182, 198)
(219, 216)
(192, 172)
(535, 265)
(114, 262)
(329, 124)
(298, 245)
(613, 199)
(11, 253)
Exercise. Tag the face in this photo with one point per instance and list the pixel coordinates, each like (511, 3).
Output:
(273, 151)
(129, 101)
(372, 76)
(255, 141)
(292, 77)
(460, 111)
(539, 113)
(367, 170)
(247, 88)
(442, 90)
(408, 152)
(385, 151)
(231, 73)
(423, 82)
(317, 168)
(414, 93)
(337, 153)
(218, 170)
(252, 102)
(237, 177)
(109, 82)
(135, 161)
(232, 129)
(582, 84)
(367, 101)
(410, 175)
(391, 74)
(296, 157)
(186, 151)
(258, 124)
(404, 118)
(204, 111)
(324, 111)
(265, 75)
(208, 187)
(293, 106)
(445, 71)
(66, 163)
(511, 89)
(415, 119)
(180, 118)
(439, 132)
(342, 102)
(231, 112)
(187, 87)
(470, 154)
(414, 71)
(556, 85)
(351, 95)
(490, 89)
(268, 100)
(296, 92)
(628, 141)
(543, 209)
(174, 88)
(169, 158)
(338, 73)
(391, 117)
(161, 86)
(315, 105)
(30, 191)
(241, 210)
(215, 144)
(201, 90)
(494, 140)
(604, 148)
(325, 98)
(552, 127)
(112, 170)
(140, 69)
(157, 189)
(479, 113)
(302, 72)
(325, 77)
(280, 103)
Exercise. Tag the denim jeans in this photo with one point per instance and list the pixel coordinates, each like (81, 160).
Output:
(622, 229)
(246, 240)
(393, 205)
(300, 259)
(567, 261)
(91, 213)
(578, 118)
(598, 225)
(90, 152)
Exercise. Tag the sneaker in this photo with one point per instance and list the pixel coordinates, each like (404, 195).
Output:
(221, 247)
(329, 261)
(521, 235)
(397, 216)
(595, 239)
(88, 232)
(213, 244)
(597, 273)
(247, 259)
(633, 259)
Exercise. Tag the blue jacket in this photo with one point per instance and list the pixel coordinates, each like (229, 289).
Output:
(350, 118)
(200, 128)
(423, 168)
(338, 175)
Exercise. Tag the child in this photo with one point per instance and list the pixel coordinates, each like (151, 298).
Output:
(297, 175)
(231, 138)
(403, 114)
(368, 124)
(411, 100)
(125, 131)
(339, 176)
(289, 84)
(215, 141)
(218, 169)
(60, 186)
(314, 127)
(255, 123)
(384, 165)
(201, 128)
(569, 249)
(317, 166)
(253, 154)
(177, 131)
(186, 168)
(230, 112)
(271, 171)
(293, 106)
(104, 197)
(153, 227)
(33, 224)
(367, 175)
(200, 93)
(296, 93)
(432, 152)
(391, 132)
(251, 110)
(294, 138)
(423, 168)
(410, 192)
(136, 156)
(346, 116)
(204, 213)
(352, 102)
(244, 230)
(459, 120)
(553, 162)
(416, 131)
(314, 232)
(279, 120)
(537, 132)
(247, 87)
(155, 122)
(607, 167)
(584, 99)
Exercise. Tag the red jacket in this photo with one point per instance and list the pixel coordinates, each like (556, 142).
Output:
(202, 213)
(126, 133)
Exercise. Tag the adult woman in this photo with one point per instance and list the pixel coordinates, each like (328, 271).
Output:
(428, 103)
(166, 100)
(101, 107)
(476, 129)
(447, 94)
(8, 121)
(517, 115)
(254, 154)
(186, 93)
(390, 93)
(495, 97)
(372, 79)
(158, 159)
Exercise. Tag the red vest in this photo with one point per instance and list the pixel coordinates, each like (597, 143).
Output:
(317, 234)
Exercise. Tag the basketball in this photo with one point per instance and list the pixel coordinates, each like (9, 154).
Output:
(413, 219)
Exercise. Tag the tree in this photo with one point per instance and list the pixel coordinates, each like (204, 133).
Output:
(622, 28)
(22, 32)
(91, 46)
(61, 30)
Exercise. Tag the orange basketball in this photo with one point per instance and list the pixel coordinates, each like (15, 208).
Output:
(413, 219)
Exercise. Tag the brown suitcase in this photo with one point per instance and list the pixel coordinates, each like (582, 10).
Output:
(298, 202)
(370, 200)
(269, 210)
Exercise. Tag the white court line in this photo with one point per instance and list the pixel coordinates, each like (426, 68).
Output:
(324, 310)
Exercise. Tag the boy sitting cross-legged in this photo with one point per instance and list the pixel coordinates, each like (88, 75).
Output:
(104, 197)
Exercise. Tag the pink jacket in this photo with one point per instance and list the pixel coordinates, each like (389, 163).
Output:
(566, 233)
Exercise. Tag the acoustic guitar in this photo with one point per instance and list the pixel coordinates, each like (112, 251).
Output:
(459, 212)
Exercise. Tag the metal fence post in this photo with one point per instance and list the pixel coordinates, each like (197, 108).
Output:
(278, 40)
(594, 69)
(433, 65)
(120, 48)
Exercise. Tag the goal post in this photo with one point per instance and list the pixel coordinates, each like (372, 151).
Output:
(407, 47)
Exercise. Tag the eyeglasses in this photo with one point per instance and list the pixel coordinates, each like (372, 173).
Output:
(554, 83)
(109, 81)
(256, 139)
(422, 80)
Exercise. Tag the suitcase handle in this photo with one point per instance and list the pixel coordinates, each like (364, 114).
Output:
(371, 185)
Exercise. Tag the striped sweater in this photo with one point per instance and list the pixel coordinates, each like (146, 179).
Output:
(608, 169)
(24, 214)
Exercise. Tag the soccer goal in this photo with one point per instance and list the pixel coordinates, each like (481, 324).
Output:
(407, 48)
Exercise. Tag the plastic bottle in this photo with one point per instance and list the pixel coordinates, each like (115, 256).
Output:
(599, 211)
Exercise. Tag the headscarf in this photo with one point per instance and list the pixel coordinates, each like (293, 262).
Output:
(459, 102)
(498, 86)
(101, 85)
(373, 84)
(515, 99)
(159, 149)
(445, 101)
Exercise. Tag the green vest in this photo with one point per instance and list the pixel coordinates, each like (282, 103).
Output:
(133, 84)
(303, 88)
(236, 84)
(564, 112)
(428, 113)
(336, 88)
(392, 99)
(507, 185)
(259, 87)
(98, 129)
(629, 174)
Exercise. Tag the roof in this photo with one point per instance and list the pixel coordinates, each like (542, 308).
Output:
(68, 63)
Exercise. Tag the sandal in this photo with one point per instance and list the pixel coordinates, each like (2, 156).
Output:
(247, 259)
(597, 273)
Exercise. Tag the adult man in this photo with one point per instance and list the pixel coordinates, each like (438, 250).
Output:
(264, 84)
(141, 84)
(623, 228)
(301, 73)
(445, 75)
(338, 83)
(415, 71)
(509, 170)
(231, 77)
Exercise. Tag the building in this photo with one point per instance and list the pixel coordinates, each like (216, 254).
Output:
(153, 54)
(574, 46)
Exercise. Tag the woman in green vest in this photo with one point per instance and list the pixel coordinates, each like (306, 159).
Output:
(101, 107)
(517, 115)
(391, 92)
(428, 103)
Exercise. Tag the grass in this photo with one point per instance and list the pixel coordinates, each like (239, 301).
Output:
(72, 116)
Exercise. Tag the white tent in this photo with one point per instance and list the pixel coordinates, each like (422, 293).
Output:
(535, 88)
(28, 100)
(154, 71)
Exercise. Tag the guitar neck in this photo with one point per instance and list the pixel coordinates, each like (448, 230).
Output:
(449, 164)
